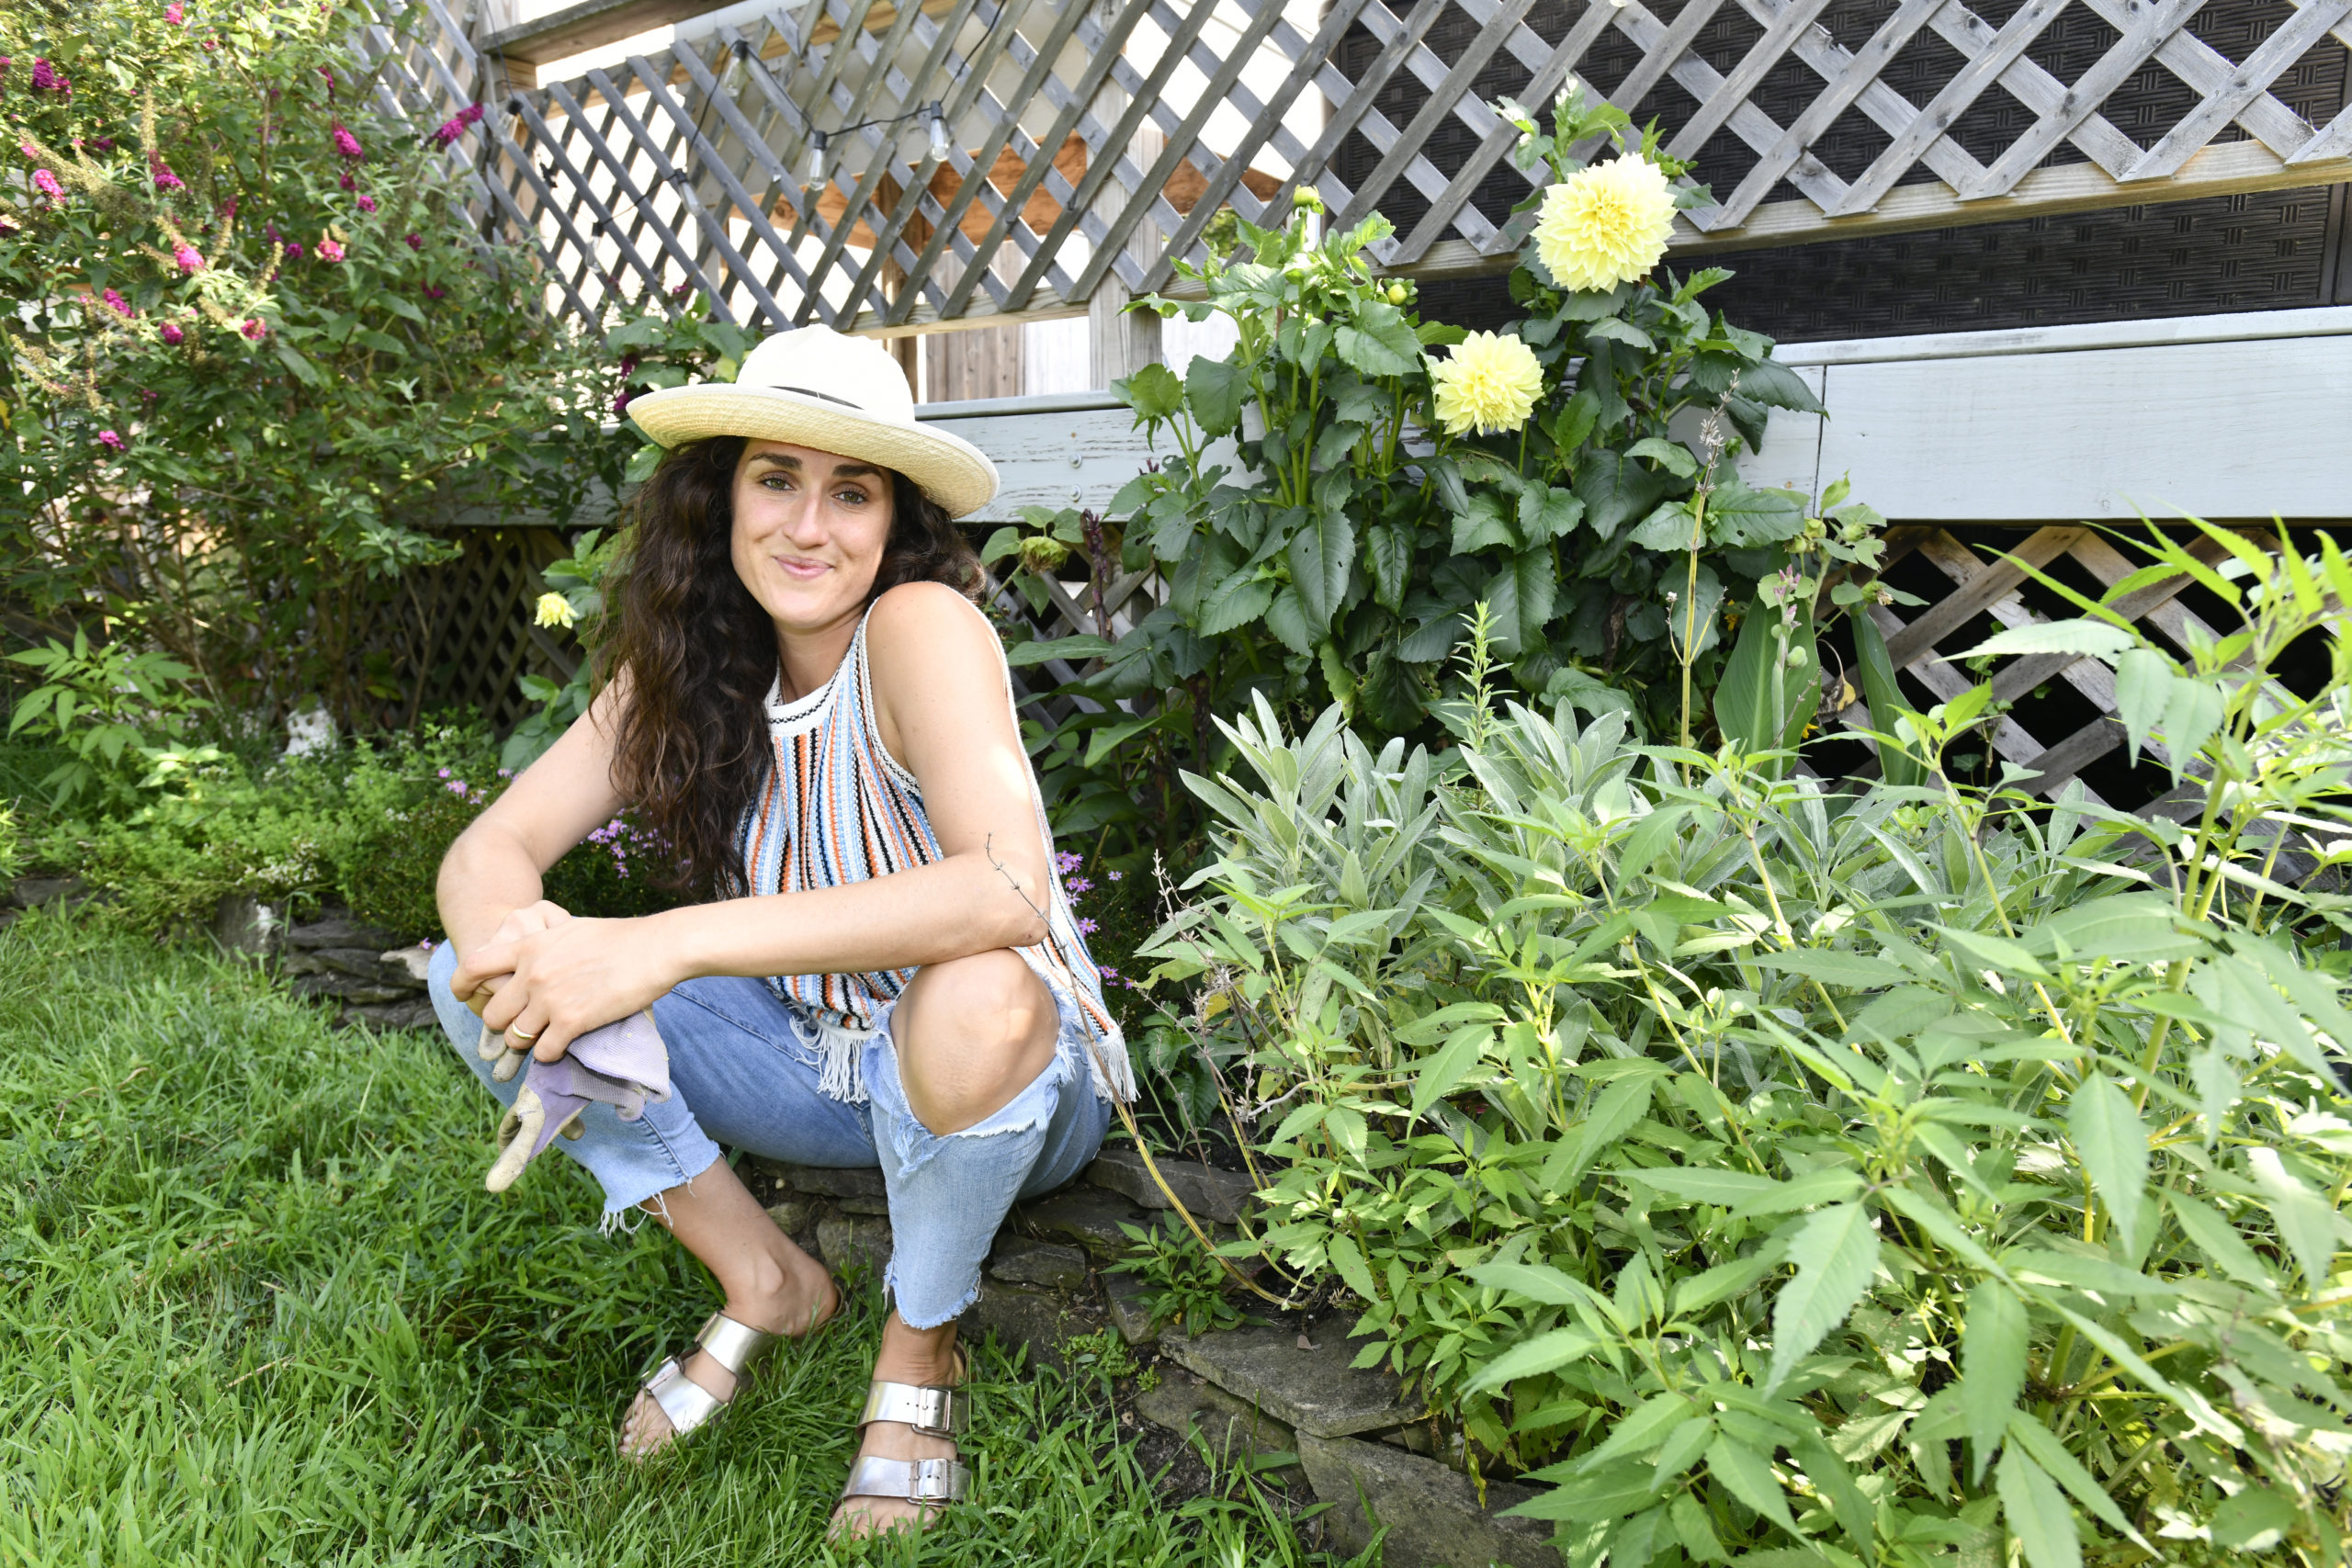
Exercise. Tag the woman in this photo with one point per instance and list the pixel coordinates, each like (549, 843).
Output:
(806, 704)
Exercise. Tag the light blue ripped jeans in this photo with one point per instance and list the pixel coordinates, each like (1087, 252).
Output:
(743, 1069)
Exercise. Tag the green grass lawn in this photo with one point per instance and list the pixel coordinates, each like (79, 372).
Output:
(254, 1307)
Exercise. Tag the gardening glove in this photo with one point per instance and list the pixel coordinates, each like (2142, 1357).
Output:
(623, 1065)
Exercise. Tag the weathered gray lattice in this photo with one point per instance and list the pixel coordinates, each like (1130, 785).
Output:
(1073, 173)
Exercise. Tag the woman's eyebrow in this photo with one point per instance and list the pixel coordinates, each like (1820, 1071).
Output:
(846, 471)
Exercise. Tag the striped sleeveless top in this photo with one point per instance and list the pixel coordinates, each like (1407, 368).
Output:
(838, 808)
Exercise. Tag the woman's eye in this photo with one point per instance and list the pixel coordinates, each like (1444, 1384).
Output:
(851, 497)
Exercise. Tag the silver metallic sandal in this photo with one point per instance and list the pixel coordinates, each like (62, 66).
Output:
(734, 1345)
(933, 1413)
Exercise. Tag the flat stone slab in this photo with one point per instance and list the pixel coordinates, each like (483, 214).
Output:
(1084, 1217)
(1231, 1427)
(1123, 1296)
(844, 1240)
(1314, 1391)
(828, 1181)
(341, 931)
(1208, 1192)
(1039, 1263)
(1432, 1514)
(1041, 1320)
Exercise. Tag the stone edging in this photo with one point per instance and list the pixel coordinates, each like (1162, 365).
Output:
(1259, 1389)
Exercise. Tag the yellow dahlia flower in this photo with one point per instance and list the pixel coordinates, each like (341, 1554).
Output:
(1606, 224)
(553, 610)
(1490, 381)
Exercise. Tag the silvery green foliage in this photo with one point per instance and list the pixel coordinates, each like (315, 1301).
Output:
(1919, 1176)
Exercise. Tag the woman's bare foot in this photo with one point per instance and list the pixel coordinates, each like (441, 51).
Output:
(771, 1284)
(925, 1357)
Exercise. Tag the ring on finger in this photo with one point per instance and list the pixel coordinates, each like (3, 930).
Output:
(521, 1037)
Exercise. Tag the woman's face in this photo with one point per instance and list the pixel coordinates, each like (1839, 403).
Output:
(809, 531)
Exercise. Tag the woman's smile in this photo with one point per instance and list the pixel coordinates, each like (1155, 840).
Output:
(801, 567)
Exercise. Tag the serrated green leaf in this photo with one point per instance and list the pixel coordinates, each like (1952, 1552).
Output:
(2113, 1144)
(2036, 1513)
(1348, 1258)
(1748, 1475)
(1992, 1365)
(1532, 1358)
(1836, 1252)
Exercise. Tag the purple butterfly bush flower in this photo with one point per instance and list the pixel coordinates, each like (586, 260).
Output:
(346, 182)
(103, 143)
(109, 440)
(330, 251)
(431, 293)
(348, 145)
(46, 183)
(117, 303)
(173, 335)
(416, 241)
(165, 179)
(175, 14)
(366, 204)
(47, 79)
(294, 250)
(187, 259)
(254, 330)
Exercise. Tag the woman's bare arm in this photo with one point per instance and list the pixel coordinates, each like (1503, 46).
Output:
(939, 691)
(493, 871)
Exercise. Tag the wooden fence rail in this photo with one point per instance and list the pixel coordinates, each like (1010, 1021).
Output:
(1080, 151)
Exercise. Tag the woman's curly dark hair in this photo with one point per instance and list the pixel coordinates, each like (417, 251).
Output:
(700, 653)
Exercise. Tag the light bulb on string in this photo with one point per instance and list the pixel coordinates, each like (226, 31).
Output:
(938, 132)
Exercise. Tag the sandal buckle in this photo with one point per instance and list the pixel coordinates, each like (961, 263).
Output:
(934, 1481)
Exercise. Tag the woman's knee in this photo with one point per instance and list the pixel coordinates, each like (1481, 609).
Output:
(970, 1035)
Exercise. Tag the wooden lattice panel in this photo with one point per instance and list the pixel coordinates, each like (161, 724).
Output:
(1075, 163)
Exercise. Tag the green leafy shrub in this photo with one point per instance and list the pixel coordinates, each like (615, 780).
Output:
(367, 825)
(1182, 1283)
(255, 344)
(1571, 472)
(1870, 1177)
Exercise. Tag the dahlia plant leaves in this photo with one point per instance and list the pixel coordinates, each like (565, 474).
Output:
(1236, 602)
(1388, 559)
(1288, 619)
(1547, 513)
(1214, 391)
(1321, 553)
(1668, 527)
(1993, 1348)
(1481, 526)
(1380, 341)
(1836, 1252)
(1154, 392)
(1615, 490)
(1775, 385)
(1745, 517)
(2037, 1512)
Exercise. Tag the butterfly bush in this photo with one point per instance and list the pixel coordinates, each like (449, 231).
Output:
(274, 303)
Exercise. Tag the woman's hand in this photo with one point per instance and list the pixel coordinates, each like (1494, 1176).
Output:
(565, 976)
(531, 917)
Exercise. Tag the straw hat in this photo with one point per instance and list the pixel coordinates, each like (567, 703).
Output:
(815, 388)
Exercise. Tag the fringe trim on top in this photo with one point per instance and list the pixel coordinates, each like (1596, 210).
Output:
(842, 1060)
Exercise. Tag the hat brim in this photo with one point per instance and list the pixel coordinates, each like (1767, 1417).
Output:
(948, 469)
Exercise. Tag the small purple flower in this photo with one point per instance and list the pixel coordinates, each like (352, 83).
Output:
(505, 772)
(441, 773)
(330, 251)
(173, 335)
(432, 293)
(46, 183)
(348, 145)
(47, 80)
(1086, 927)
(294, 251)
(470, 114)
(1116, 875)
(1077, 885)
(175, 14)
(415, 241)
(165, 179)
(186, 258)
(254, 330)
(366, 204)
(620, 403)
(346, 182)
(457, 788)
(110, 439)
(103, 143)
(1108, 973)
(1065, 863)
(117, 303)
